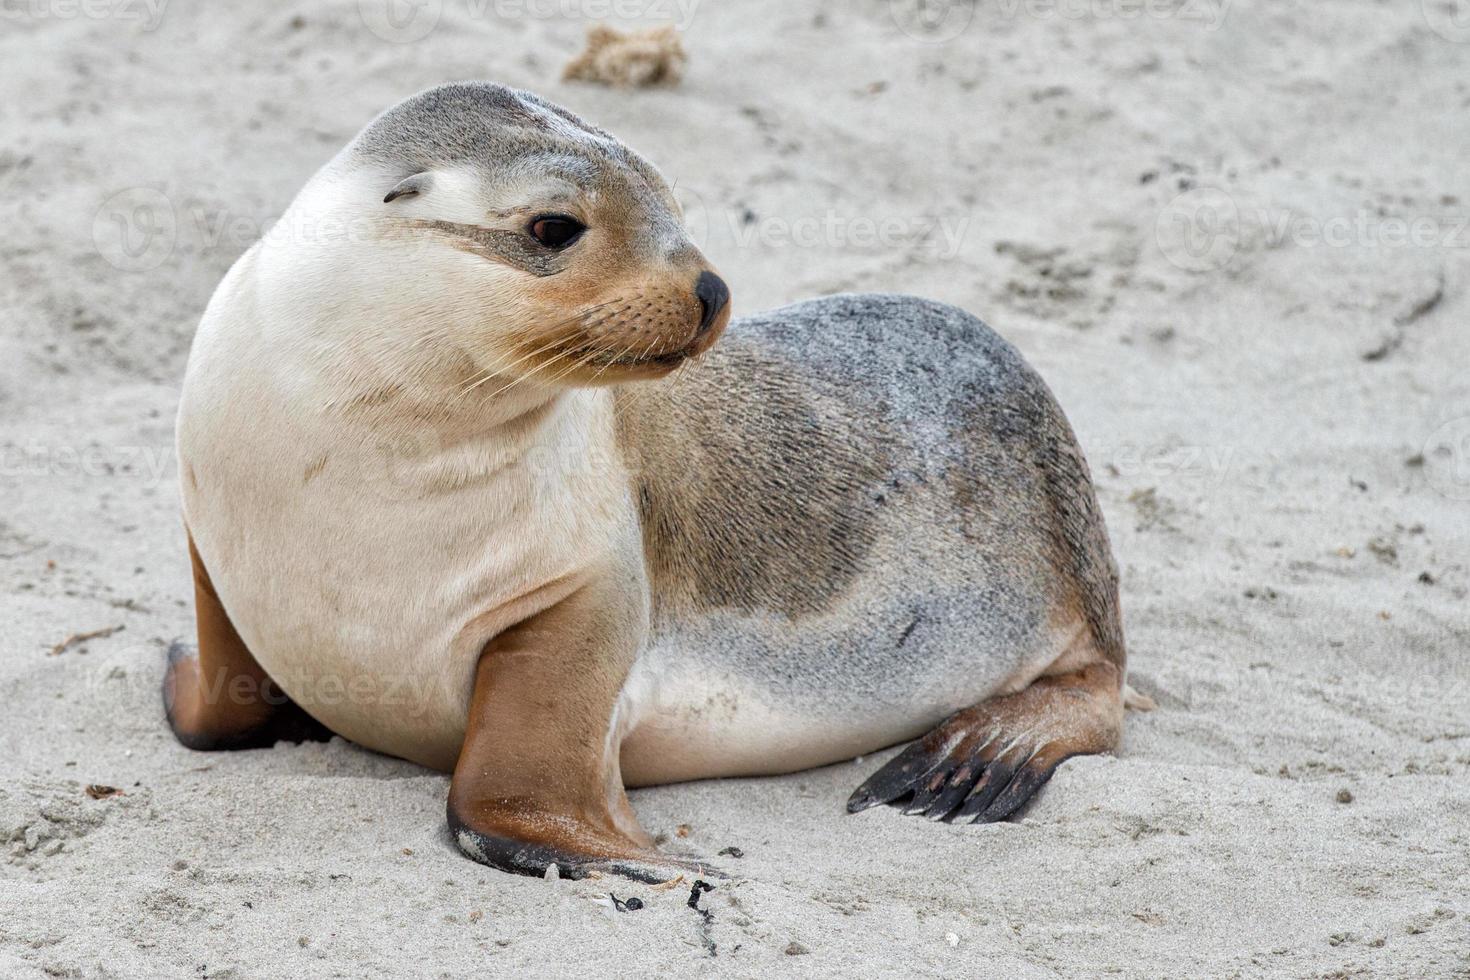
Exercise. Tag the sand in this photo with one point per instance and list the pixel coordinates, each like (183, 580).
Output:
(1232, 237)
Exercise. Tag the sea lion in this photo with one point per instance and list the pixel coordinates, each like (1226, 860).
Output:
(468, 481)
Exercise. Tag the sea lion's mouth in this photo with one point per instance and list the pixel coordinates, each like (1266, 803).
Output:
(702, 340)
(672, 359)
(640, 361)
(645, 337)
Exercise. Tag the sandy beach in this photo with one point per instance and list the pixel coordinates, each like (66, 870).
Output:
(1234, 237)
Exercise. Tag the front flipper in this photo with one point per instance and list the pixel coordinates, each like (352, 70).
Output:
(983, 763)
(538, 781)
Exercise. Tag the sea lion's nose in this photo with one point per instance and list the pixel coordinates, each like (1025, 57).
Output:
(713, 295)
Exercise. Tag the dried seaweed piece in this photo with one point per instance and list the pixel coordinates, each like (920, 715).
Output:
(77, 638)
(638, 59)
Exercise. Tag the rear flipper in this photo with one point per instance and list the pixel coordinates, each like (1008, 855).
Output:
(983, 763)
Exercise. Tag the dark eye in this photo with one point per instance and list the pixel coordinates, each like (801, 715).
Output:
(556, 230)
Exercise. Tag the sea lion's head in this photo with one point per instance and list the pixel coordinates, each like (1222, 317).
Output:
(505, 228)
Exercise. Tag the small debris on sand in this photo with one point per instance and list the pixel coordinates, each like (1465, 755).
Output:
(99, 792)
(638, 59)
(700, 887)
(1422, 308)
(77, 638)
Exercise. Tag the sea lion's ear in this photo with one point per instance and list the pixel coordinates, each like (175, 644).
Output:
(409, 186)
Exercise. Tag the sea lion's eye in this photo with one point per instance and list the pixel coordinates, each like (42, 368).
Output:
(556, 230)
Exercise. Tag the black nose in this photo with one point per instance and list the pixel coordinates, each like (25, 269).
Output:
(713, 295)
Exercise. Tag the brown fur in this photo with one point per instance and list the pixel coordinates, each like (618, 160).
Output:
(984, 763)
(714, 542)
(219, 697)
(878, 488)
(537, 774)
(1037, 435)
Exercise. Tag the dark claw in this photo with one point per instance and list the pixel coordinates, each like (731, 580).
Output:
(532, 859)
(959, 787)
(995, 778)
(179, 650)
(895, 779)
(1021, 789)
(516, 857)
(959, 784)
(926, 789)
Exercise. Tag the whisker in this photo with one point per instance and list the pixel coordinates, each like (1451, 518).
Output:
(580, 357)
(499, 372)
(530, 374)
(501, 369)
(615, 358)
(636, 394)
